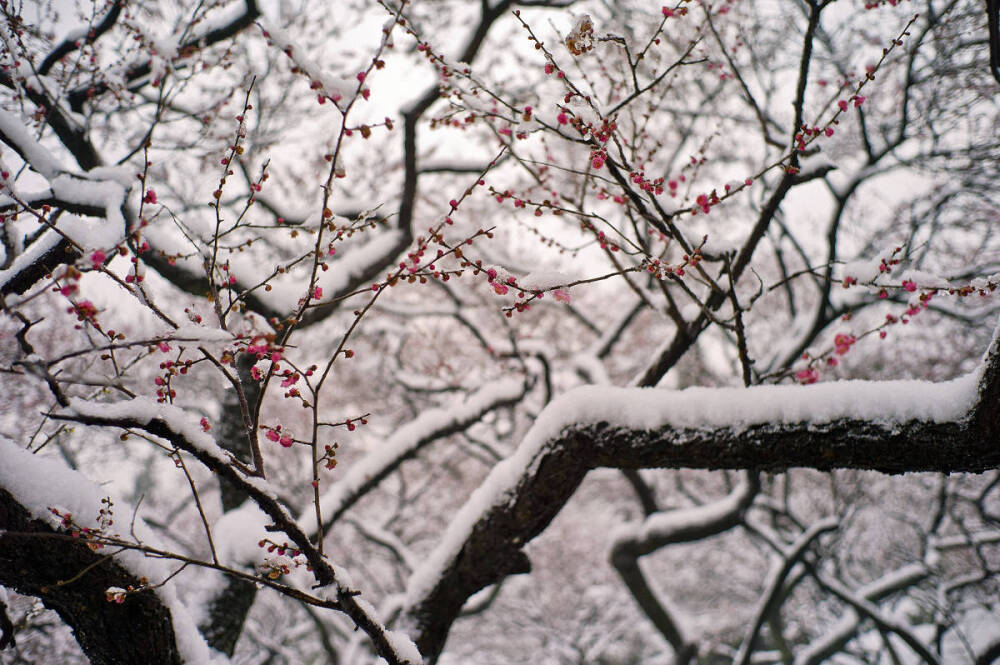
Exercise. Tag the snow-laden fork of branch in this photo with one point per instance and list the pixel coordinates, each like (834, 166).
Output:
(100, 194)
(182, 430)
(890, 426)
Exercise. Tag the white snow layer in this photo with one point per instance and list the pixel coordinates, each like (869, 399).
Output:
(13, 127)
(665, 523)
(88, 233)
(330, 86)
(144, 409)
(31, 255)
(884, 402)
(40, 483)
(237, 532)
(404, 647)
(408, 437)
(106, 194)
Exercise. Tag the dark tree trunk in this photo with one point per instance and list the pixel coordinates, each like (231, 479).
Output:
(71, 579)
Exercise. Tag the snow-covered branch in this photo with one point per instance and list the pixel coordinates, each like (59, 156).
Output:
(840, 633)
(630, 542)
(70, 576)
(181, 430)
(893, 426)
(368, 472)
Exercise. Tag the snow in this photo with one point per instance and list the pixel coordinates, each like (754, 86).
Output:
(29, 257)
(276, 563)
(220, 17)
(845, 628)
(352, 262)
(144, 410)
(544, 280)
(404, 647)
(924, 279)
(7, 200)
(329, 86)
(700, 408)
(345, 580)
(723, 241)
(387, 538)
(123, 175)
(237, 532)
(978, 628)
(193, 331)
(964, 540)
(86, 232)
(106, 194)
(882, 402)
(591, 368)
(780, 568)
(38, 483)
(872, 272)
(349, 263)
(865, 271)
(409, 438)
(75, 35)
(662, 525)
(400, 643)
(984, 283)
(12, 127)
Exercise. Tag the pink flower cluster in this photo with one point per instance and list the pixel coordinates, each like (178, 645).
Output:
(275, 434)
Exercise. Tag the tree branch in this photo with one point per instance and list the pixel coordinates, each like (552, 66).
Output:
(35, 565)
(665, 528)
(891, 426)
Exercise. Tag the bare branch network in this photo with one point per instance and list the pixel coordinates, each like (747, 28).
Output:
(515, 331)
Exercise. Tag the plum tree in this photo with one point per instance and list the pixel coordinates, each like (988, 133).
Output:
(327, 323)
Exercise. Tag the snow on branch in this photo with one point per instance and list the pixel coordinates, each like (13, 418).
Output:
(366, 474)
(30, 538)
(14, 133)
(891, 426)
(782, 568)
(683, 525)
(630, 542)
(326, 85)
(76, 38)
(184, 431)
(884, 623)
(100, 194)
(223, 24)
(845, 629)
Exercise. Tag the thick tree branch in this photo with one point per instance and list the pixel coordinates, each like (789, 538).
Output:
(140, 630)
(664, 528)
(169, 423)
(886, 426)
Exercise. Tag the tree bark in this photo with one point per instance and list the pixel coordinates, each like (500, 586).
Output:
(525, 499)
(138, 631)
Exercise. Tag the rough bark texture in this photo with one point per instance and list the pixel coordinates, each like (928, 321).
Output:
(493, 548)
(138, 631)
